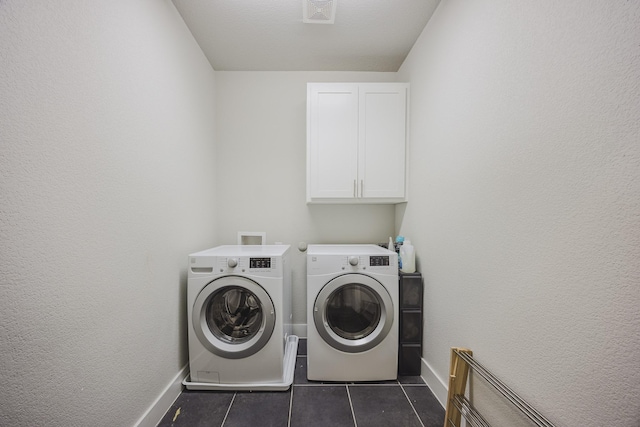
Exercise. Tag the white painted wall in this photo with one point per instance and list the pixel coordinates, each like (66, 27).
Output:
(261, 142)
(107, 182)
(525, 200)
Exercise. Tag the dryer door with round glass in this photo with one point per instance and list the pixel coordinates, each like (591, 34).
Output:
(233, 317)
(353, 313)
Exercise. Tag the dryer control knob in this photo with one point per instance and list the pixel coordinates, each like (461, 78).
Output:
(353, 260)
(232, 262)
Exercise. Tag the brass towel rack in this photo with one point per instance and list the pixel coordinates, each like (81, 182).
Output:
(458, 406)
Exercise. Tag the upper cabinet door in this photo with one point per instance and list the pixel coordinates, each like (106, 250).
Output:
(381, 141)
(356, 142)
(332, 141)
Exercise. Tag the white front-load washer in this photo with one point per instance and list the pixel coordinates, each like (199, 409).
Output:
(352, 313)
(239, 316)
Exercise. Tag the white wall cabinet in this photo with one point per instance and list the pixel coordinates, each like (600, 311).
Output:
(356, 142)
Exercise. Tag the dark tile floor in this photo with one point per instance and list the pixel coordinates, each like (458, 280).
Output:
(406, 402)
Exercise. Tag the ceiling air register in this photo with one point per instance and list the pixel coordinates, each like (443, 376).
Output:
(319, 11)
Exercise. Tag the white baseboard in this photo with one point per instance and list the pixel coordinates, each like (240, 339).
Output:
(437, 386)
(156, 411)
(300, 329)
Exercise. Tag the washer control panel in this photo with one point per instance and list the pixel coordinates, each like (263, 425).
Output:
(259, 262)
(246, 264)
(263, 261)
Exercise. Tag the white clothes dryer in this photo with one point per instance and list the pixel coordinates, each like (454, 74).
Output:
(239, 317)
(352, 313)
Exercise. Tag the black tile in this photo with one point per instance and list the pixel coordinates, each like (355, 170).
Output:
(302, 347)
(198, 409)
(427, 406)
(413, 379)
(321, 406)
(382, 405)
(300, 374)
(264, 408)
(377, 382)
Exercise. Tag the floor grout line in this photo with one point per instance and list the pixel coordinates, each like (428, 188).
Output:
(290, 407)
(357, 385)
(224, 420)
(412, 407)
(353, 412)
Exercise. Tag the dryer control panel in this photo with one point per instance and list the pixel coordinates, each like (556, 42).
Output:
(332, 259)
(378, 261)
(328, 264)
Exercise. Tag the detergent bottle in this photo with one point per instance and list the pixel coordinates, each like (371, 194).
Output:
(408, 255)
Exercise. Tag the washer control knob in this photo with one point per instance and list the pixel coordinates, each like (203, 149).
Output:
(232, 262)
(353, 260)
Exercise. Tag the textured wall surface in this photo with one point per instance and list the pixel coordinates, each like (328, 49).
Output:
(106, 184)
(261, 140)
(525, 200)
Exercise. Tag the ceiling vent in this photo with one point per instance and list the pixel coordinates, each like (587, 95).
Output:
(319, 11)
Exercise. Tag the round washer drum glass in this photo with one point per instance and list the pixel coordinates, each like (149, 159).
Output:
(353, 311)
(353, 296)
(234, 314)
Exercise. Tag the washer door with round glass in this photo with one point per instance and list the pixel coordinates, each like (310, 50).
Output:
(233, 317)
(353, 313)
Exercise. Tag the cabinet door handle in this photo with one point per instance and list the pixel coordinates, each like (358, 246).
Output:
(355, 188)
(362, 188)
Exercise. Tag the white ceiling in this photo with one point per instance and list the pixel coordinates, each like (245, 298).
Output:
(269, 35)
